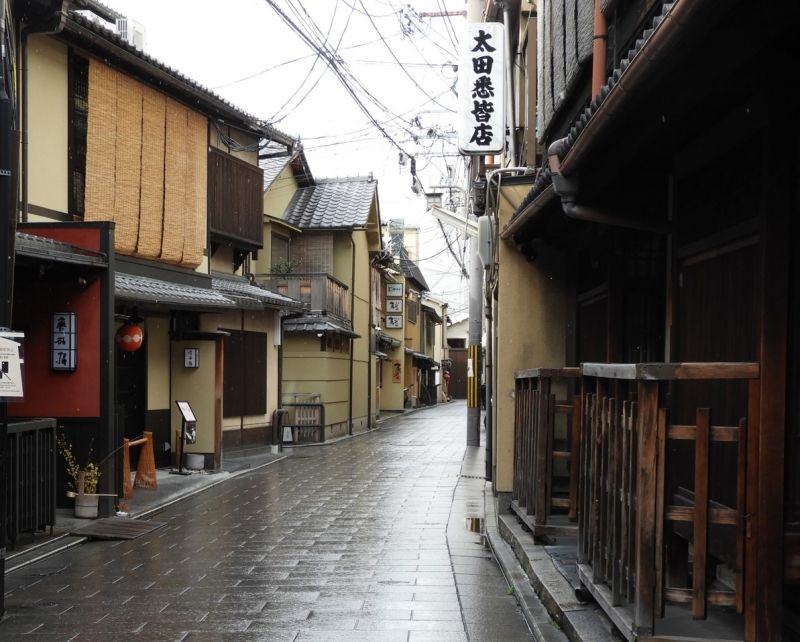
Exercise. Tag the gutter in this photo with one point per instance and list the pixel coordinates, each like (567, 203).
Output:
(667, 35)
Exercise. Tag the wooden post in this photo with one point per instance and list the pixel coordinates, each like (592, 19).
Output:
(700, 526)
(647, 461)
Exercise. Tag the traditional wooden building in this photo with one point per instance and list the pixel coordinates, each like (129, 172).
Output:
(140, 206)
(644, 309)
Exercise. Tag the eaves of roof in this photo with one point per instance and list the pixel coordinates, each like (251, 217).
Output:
(319, 324)
(145, 290)
(656, 44)
(46, 249)
(101, 41)
(253, 296)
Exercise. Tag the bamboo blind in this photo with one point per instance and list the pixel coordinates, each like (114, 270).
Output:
(174, 183)
(129, 164)
(151, 204)
(146, 161)
(196, 189)
(101, 139)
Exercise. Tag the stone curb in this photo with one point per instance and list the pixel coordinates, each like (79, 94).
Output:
(542, 626)
(580, 621)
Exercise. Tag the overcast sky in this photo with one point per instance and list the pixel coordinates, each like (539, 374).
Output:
(400, 64)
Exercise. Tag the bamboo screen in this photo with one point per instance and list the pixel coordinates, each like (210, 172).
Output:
(146, 169)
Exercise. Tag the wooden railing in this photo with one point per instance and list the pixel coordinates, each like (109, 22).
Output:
(547, 437)
(235, 193)
(321, 291)
(645, 538)
(31, 491)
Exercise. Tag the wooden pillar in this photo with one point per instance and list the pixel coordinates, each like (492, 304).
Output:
(645, 535)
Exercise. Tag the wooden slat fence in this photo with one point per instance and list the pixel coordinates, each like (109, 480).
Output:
(547, 437)
(629, 508)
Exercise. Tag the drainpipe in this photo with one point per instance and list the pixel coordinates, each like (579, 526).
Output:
(567, 188)
(352, 340)
(370, 338)
(599, 48)
(489, 316)
(511, 113)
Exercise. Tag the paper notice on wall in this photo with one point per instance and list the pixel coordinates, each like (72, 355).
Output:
(10, 368)
(469, 368)
(287, 433)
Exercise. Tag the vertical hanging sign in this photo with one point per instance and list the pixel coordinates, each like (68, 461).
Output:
(481, 89)
(64, 341)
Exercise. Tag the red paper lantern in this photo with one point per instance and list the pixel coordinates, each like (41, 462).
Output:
(129, 337)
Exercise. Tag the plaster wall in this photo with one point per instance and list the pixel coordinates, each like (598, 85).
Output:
(47, 113)
(156, 342)
(530, 331)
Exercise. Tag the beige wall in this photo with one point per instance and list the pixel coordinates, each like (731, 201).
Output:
(47, 124)
(277, 197)
(222, 260)
(156, 342)
(363, 378)
(239, 137)
(392, 393)
(308, 370)
(195, 385)
(530, 334)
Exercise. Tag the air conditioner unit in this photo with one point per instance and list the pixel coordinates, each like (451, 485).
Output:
(133, 32)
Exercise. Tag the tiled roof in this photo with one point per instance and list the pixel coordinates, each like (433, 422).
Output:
(332, 203)
(545, 179)
(251, 295)
(319, 323)
(411, 270)
(40, 247)
(107, 38)
(143, 289)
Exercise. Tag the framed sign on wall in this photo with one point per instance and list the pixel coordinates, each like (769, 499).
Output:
(394, 305)
(394, 321)
(394, 289)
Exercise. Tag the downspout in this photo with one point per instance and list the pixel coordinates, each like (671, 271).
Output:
(511, 114)
(370, 338)
(352, 339)
(23, 72)
(490, 276)
(599, 48)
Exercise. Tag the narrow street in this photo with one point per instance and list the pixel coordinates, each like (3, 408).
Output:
(371, 538)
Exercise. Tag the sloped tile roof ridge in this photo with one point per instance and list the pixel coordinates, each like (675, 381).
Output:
(580, 122)
(545, 178)
(346, 179)
(113, 37)
(98, 7)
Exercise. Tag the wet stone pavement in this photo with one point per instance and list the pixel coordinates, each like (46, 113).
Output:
(370, 538)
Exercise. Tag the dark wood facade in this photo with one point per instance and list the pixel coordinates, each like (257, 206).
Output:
(686, 252)
(235, 208)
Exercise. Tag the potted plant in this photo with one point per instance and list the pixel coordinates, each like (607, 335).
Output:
(83, 480)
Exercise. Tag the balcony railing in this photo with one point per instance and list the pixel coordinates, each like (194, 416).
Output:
(321, 291)
(546, 450)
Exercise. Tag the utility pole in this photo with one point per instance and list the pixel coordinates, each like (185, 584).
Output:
(474, 14)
